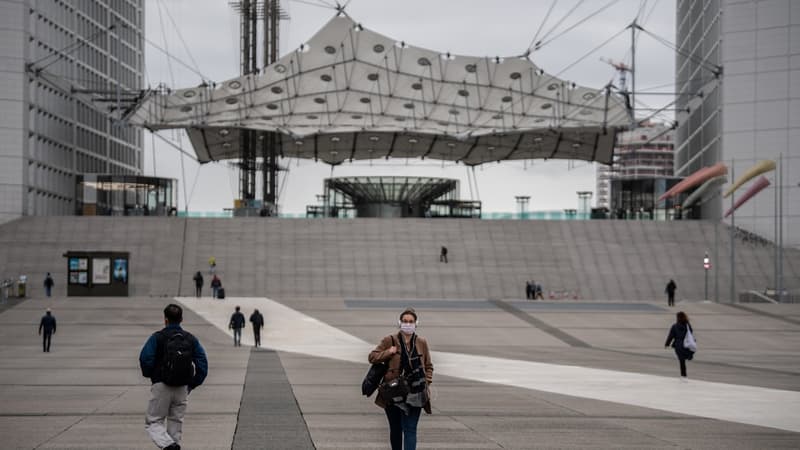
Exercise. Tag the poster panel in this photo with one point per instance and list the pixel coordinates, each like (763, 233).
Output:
(121, 270)
(101, 270)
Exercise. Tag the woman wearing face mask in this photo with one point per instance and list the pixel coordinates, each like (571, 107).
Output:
(408, 356)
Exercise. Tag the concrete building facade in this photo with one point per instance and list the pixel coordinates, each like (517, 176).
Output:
(63, 67)
(738, 75)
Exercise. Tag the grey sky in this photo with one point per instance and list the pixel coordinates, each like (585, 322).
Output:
(470, 27)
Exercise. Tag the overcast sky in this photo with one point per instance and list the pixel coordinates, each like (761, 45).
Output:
(204, 35)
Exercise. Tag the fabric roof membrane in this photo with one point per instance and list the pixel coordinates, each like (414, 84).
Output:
(354, 85)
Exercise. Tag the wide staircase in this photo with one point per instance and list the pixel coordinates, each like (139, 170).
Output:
(399, 258)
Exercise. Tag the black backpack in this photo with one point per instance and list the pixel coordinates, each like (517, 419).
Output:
(177, 357)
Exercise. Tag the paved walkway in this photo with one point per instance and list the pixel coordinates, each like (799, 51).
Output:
(501, 380)
(293, 331)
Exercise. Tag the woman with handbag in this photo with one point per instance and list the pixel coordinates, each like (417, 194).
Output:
(679, 337)
(404, 391)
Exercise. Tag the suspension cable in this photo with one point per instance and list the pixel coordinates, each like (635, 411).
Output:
(709, 66)
(180, 36)
(608, 5)
(558, 24)
(541, 25)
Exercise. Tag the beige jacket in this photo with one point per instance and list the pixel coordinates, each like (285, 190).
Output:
(381, 354)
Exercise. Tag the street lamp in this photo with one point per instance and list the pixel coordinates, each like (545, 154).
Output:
(522, 205)
(706, 266)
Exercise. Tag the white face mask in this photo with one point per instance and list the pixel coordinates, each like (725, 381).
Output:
(408, 328)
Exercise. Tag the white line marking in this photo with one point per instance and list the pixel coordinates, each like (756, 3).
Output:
(289, 330)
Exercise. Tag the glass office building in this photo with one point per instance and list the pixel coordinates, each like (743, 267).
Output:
(65, 69)
(738, 74)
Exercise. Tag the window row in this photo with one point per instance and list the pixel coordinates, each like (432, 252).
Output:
(47, 203)
(50, 125)
(94, 9)
(90, 141)
(50, 178)
(50, 152)
(51, 100)
(91, 118)
(90, 164)
(123, 154)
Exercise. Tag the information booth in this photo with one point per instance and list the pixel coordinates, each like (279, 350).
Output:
(97, 273)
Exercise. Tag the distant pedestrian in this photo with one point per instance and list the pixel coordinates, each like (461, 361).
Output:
(198, 284)
(258, 323)
(236, 324)
(670, 291)
(216, 283)
(538, 292)
(675, 339)
(48, 325)
(212, 265)
(176, 364)
(529, 290)
(443, 255)
(48, 284)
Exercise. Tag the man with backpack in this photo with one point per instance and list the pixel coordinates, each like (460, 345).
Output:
(176, 364)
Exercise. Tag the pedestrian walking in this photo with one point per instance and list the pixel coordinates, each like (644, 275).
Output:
(443, 255)
(670, 291)
(236, 324)
(405, 390)
(176, 364)
(48, 326)
(48, 284)
(212, 265)
(258, 323)
(198, 284)
(530, 290)
(676, 339)
(216, 283)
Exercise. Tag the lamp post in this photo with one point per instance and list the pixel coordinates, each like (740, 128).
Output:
(522, 205)
(706, 266)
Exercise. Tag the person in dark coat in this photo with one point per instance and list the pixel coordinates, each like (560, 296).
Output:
(237, 323)
(48, 325)
(529, 290)
(675, 338)
(670, 291)
(48, 284)
(258, 323)
(216, 283)
(198, 284)
(443, 255)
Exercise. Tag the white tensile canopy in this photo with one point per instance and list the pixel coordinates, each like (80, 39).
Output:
(351, 94)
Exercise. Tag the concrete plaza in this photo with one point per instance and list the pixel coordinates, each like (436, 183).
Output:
(509, 374)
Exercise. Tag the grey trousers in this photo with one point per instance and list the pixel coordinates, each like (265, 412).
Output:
(164, 419)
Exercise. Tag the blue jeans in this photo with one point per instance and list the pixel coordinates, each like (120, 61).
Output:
(237, 337)
(403, 428)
